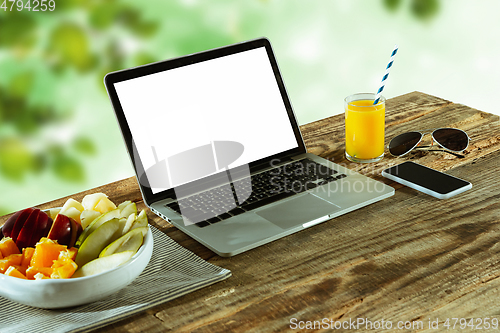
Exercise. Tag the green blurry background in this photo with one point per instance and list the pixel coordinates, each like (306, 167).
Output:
(58, 134)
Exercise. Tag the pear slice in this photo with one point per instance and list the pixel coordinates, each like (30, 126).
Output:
(105, 205)
(103, 264)
(87, 216)
(140, 221)
(96, 224)
(71, 203)
(131, 241)
(53, 212)
(129, 209)
(96, 242)
(128, 224)
(119, 232)
(124, 204)
(72, 212)
(91, 200)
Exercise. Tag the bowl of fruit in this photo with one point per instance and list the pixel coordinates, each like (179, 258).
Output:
(73, 255)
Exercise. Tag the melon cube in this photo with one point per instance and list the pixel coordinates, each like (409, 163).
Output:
(27, 255)
(63, 269)
(4, 264)
(12, 271)
(46, 251)
(32, 271)
(8, 247)
(40, 276)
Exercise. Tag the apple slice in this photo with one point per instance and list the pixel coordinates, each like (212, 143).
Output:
(76, 230)
(87, 216)
(13, 226)
(26, 233)
(9, 224)
(131, 241)
(61, 230)
(103, 264)
(96, 224)
(96, 242)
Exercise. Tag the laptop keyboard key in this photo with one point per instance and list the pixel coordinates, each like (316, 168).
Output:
(268, 200)
(202, 224)
(236, 211)
(214, 220)
(310, 185)
(225, 216)
(262, 189)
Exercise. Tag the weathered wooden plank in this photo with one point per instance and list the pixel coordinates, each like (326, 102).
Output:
(409, 257)
(324, 286)
(392, 267)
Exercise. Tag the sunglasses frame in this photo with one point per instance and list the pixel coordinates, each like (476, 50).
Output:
(431, 131)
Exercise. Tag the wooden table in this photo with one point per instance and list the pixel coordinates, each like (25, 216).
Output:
(409, 258)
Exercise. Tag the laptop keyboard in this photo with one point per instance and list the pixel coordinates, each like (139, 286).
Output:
(217, 204)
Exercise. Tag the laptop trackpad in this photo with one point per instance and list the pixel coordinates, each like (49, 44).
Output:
(298, 211)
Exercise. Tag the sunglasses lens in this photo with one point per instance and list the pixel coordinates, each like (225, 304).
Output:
(403, 143)
(451, 138)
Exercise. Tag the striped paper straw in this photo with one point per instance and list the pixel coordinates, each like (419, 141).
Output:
(386, 75)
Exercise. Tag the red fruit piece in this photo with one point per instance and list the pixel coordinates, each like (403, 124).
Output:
(28, 229)
(61, 230)
(76, 230)
(15, 223)
(9, 224)
(42, 229)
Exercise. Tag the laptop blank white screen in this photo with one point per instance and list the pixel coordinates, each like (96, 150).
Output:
(233, 98)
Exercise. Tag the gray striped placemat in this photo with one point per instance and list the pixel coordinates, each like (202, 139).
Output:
(173, 271)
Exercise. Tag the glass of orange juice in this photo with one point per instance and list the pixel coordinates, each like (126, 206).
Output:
(364, 128)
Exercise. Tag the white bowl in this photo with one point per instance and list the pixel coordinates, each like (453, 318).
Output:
(60, 293)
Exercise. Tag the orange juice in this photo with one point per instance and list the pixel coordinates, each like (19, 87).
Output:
(364, 129)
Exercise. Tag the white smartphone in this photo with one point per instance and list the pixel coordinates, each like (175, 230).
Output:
(426, 180)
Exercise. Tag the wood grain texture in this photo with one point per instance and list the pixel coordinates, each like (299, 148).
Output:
(407, 258)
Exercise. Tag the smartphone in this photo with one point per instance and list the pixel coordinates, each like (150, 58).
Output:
(426, 180)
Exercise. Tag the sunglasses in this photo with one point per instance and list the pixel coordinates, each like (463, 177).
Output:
(452, 140)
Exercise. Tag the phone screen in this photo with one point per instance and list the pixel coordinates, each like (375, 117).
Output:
(428, 178)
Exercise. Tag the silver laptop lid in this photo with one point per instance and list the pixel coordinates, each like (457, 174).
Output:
(187, 120)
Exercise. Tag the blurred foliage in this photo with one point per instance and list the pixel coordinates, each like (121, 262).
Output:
(18, 30)
(421, 9)
(425, 9)
(392, 5)
(84, 145)
(39, 49)
(15, 158)
(89, 38)
(69, 46)
(67, 167)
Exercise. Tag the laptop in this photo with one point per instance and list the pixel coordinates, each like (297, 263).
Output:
(218, 153)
